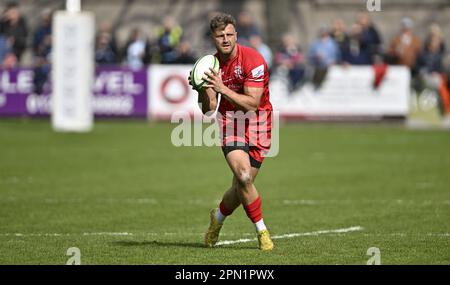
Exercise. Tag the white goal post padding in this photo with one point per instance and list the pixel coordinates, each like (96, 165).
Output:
(73, 71)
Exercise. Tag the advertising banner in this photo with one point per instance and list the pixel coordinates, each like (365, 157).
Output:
(170, 91)
(352, 91)
(118, 92)
(15, 86)
(158, 92)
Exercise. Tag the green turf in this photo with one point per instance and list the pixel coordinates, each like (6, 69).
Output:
(127, 177)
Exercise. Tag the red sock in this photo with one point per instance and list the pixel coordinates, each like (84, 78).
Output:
(254, 211)
(224, 210)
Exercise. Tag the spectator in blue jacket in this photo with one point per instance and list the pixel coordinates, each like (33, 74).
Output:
(323, 53)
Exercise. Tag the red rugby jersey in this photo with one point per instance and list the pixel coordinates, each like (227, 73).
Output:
(247, 68)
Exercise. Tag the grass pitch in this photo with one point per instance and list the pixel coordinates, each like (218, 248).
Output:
(124, 195)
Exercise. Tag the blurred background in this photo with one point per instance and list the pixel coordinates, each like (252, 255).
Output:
(307, 45)
(270, 20)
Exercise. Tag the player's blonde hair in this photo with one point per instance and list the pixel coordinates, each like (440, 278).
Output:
(220, 21)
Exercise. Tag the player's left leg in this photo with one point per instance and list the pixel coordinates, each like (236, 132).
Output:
(264, 240)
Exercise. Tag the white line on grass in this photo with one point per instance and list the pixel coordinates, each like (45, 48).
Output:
(336, 231)
(108, 234)
(201, 202)
(365, 201)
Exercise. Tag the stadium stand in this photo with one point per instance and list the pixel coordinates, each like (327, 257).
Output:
(304, 18)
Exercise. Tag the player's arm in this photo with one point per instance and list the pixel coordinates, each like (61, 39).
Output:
(249, 101)
(207, 98)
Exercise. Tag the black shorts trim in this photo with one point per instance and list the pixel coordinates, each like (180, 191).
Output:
(240, 146)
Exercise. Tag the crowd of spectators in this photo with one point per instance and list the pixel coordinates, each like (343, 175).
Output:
(169, 47)
(362, 44)
(359, 43)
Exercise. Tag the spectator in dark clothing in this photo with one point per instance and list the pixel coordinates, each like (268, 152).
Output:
(435, 32)
(339, 34)
(430, 65)
(42, 67)
(42, 47)
(431, 72)
(43, 31)
(290, 62)
(431, 58)
(14, 27)
(370, 36)
(184, 54)
(357, 51)
(106, 33)
(104, 52)
(169, 36)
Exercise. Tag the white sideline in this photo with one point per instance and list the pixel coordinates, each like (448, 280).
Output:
(295, 202)
(351, 229)
(315, 233)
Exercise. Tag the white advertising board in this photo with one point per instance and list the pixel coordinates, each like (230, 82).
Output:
(347, 92)
(170, 92)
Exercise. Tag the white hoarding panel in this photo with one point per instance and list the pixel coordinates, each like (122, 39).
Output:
(347, 92)
(170, 92)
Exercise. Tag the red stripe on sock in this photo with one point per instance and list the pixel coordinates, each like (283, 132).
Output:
(224, 210)
(254, 211)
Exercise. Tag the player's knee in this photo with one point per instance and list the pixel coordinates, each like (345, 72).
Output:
(244, 177)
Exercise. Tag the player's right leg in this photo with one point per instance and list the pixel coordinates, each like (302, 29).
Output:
(231, 199)
(245, 173)
(229, 203)
(239, 162)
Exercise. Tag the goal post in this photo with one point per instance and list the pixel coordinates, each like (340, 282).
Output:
(73, 69)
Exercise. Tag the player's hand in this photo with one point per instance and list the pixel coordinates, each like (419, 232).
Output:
(214, 79)
(190, 82)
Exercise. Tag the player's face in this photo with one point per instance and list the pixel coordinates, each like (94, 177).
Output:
(225, 39)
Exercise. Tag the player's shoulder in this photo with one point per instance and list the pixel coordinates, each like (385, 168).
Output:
(249, 51)
(251, 56)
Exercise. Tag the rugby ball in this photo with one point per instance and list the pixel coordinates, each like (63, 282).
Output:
(200, 67)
